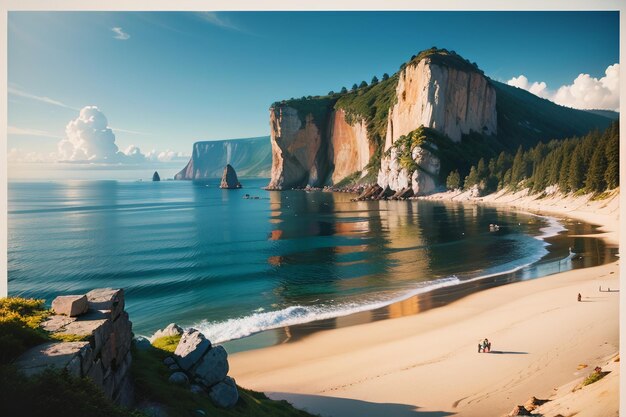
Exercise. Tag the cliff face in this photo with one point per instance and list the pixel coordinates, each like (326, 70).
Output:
(350, 150)
(449, 100)
(251, 157)
(295, 148)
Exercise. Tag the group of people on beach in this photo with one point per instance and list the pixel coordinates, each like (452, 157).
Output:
(484, 345)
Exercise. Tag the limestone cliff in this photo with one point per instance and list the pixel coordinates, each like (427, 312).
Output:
(252, 157)
(367, 134)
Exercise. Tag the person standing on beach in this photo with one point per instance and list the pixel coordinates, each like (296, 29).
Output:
(579, 297)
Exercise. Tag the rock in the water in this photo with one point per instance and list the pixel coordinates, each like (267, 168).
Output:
(156, 177)
(70, 305)
(519, 410)
(178, 378)
(214, 366)
(229, 178)
(172, 329)
(225, 393)
(192, 346)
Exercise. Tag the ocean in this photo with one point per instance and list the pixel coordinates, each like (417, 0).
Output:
(236, 263)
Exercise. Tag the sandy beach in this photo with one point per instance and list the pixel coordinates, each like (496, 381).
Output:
(428, 364)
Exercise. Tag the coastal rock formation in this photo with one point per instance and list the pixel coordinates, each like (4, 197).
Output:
(320, 143)
(205, 366)
(229, 178)
(295, 148)
(348, 138)
(155, 176)
(103, 356)
(252, 157)
(350, 150)
(449, 100)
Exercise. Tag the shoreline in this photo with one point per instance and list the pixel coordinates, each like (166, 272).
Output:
(375, 368)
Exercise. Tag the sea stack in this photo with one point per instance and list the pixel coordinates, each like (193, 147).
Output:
(229, 178)
(156, 177)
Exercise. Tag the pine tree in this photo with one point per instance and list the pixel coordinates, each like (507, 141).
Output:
(518, 170)
(611, 176)
(344, 90)
(374, 80)
(363, 84)
(453, 182)
(471, 179)
(594, 182)
(385, 77)
(576, 170)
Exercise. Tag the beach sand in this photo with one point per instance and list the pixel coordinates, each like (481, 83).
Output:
(428, 364)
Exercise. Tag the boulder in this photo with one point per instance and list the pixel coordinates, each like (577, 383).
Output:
(178, 378)
(214, 366)
(107, 301)
(142, 343)
(169, 361)
(172, 329)
(70, 305)
(225, 393)
(192, 346)
(229, 178)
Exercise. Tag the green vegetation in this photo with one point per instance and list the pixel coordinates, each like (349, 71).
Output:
(595, 376)
(578, 165)
(318, 107)
(453, 182)
(349, 180)
(54, 393)
(19, 326)
(445, 58)
(405, 145)
(151, 384)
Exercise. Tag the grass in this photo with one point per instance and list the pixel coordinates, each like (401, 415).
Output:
(19, 326)
(151, 385)
(594, 377)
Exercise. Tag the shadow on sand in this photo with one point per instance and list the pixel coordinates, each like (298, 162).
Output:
(507, 352)
(339, 407)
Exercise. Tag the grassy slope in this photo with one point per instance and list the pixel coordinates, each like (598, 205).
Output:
(151, 376)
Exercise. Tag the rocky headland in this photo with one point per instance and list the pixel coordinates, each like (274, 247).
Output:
(406, 133)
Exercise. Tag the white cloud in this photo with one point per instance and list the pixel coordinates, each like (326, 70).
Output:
(89, 139)
(586, 92)
(19, 156)
(43, 99)
(120, 34)
(166, 156)
(25, 131)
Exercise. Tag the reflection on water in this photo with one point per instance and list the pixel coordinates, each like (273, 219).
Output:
(197, 255)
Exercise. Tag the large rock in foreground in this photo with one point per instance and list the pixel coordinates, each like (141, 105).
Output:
(229, 178)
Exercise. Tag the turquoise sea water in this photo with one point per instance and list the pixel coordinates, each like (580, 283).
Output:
(201, 256)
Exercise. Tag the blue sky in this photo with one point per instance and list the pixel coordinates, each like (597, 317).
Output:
(167, 79)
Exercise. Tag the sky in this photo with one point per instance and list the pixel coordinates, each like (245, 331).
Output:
(143, 87)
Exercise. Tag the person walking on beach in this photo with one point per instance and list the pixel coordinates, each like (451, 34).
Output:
(579, 297)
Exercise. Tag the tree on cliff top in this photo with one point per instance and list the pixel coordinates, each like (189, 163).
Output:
(344, 90)
(385, 77)
(374, 80)
(354, 87)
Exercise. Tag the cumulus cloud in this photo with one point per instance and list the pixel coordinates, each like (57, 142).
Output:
(120, 34)
(586, 92)
(90, 139)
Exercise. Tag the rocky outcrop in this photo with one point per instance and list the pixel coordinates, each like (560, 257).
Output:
(205, 366)
(449, 100)
(104, 353)
(156, 176)
(229, 178)
(295, 148)
(252, 157)
(350, 150)
(441, 91)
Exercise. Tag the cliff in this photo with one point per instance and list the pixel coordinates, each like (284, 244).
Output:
(365, 135)
(252, 157)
